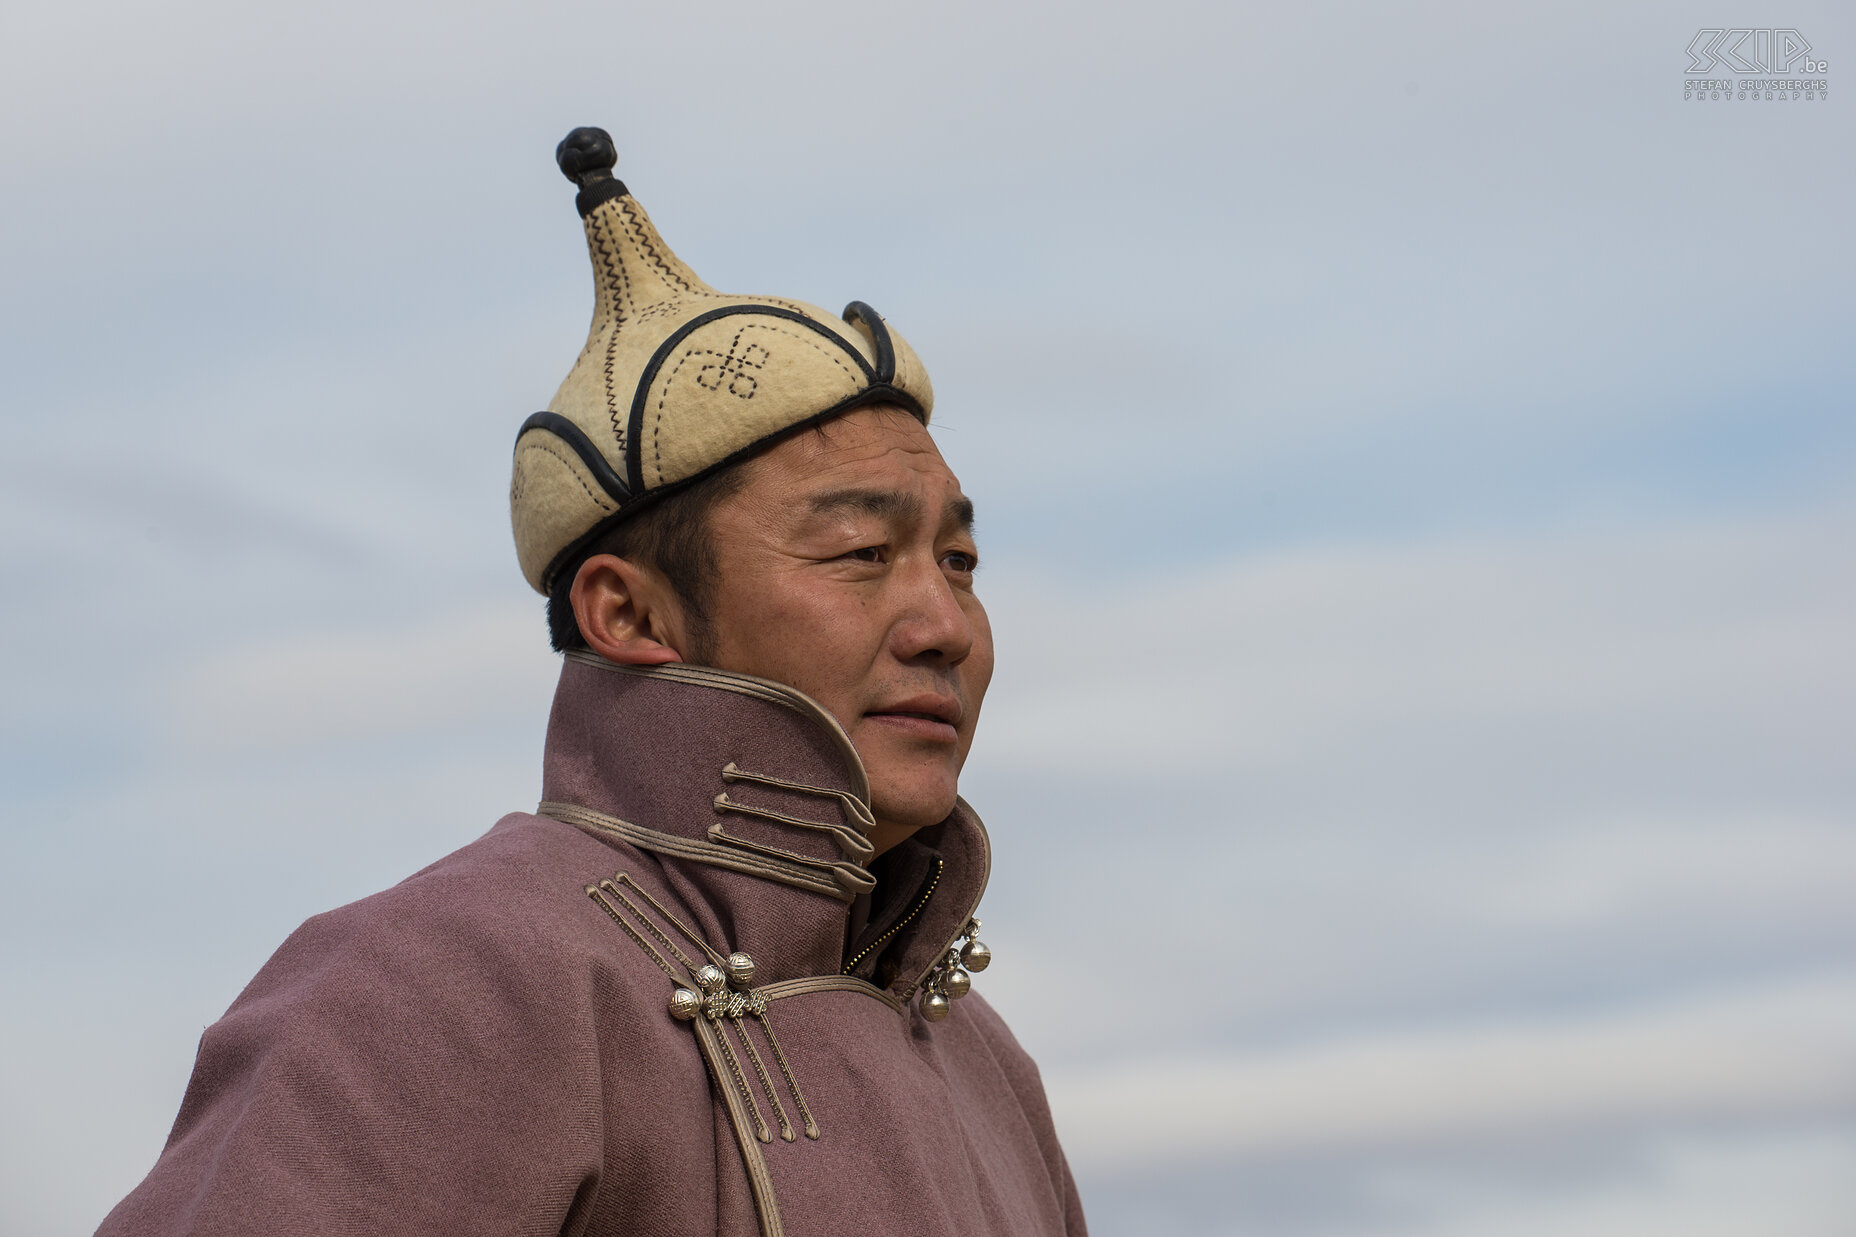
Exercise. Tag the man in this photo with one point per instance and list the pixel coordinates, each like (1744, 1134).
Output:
(719, 982)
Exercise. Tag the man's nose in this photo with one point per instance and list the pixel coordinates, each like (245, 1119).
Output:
(931, 625)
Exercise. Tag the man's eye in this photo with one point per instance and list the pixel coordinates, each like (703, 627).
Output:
(961, 561)
(868, 554)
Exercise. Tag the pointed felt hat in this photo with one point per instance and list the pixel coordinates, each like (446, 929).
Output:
(678, 380)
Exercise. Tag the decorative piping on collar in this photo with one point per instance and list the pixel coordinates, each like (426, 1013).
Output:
(843, 880)
(851, 877)
(850, 842)
(854, 843)
(760, 689)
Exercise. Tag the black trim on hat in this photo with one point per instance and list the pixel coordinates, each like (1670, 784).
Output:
(576, 547)
(634, 454)
(598, 193)
(872, 321)
(571, 434)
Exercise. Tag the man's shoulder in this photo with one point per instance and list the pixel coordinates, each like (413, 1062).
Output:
(526, 869)
(446, 1029)
(519, 866)
(508, 909)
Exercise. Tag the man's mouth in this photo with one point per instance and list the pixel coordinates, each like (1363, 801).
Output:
(931, 717)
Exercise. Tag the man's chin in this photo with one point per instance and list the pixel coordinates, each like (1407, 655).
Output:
(911, 807)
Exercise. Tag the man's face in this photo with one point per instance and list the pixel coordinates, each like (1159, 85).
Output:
(846, 570)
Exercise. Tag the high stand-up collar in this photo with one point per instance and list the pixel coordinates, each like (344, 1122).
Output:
(751, 799)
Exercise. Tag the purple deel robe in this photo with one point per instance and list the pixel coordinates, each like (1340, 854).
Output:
(490, 1046)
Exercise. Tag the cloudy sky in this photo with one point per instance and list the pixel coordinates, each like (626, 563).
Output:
(1416, 459)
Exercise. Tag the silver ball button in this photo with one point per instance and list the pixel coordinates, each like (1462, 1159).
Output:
(740, 970)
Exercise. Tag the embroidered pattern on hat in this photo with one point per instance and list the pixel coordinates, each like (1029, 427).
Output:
(732, 370)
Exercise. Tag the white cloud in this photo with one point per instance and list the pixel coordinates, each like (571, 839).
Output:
(1688, 630)
(1793, 1183)
(1773, 1053)
(453, 668)
(1628, 869)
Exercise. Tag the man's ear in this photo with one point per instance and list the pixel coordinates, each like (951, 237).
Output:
(626, 613)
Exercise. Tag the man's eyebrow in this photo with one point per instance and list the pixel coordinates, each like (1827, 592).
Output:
(884, 504)
(891, 504)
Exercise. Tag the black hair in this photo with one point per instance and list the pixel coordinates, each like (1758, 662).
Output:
(671, 536)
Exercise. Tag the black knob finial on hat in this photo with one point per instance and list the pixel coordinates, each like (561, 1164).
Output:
(586, 155)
